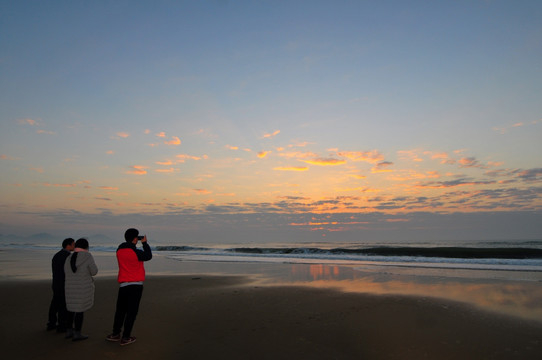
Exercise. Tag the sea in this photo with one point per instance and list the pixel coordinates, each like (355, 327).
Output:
(502, 276)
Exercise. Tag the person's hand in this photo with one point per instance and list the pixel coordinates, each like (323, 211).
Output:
(144, 240)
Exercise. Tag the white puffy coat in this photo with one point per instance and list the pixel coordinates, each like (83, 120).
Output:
(79, 286)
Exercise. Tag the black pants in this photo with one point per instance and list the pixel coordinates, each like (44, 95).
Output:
(127, 308)
(75, 320)
(58, 306)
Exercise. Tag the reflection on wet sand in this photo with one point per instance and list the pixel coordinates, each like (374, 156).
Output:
(511, 297)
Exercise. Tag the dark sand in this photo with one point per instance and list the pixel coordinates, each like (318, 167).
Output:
(229, 318)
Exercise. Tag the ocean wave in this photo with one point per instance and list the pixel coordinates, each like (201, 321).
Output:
(424, 252)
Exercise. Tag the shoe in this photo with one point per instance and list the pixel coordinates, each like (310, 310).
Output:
(113, 337)
(69, 333)
(127, 341)
(77, 336)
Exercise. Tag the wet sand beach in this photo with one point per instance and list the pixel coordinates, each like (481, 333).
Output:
(209, 317)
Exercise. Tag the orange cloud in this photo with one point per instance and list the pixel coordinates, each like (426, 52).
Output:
(166, 171)
(442, 156)
(123, 134)
(409, 154)
(161, 134)
(108, 187)
(325, 162)
(368, 156)
(357, 176)
(263, 154)
(30, 122)
(272, 135)
(232, 147)
(292, 168)
(411, 174)
(138, 170)
(174, 141)
(182, 157)
(110, 152)
(202, 191)
(165, 163)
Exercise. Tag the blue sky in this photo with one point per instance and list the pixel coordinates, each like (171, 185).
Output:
(336, 120)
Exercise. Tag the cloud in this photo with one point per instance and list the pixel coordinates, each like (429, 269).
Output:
(263, 154)
(358, 176)
(382, 167)
(531, 174)
(372, 157)
(6, 157)
(165, 163)
(299, 155)
(109, 152)
(291, 168)
(442, 156)
(183, 157)
(409, 155)
(30, 122)
(59, 185)
(174, 141)
(300, 144)
(121, 134)
(325, 162)
(113, 188)
(468, 162)
(167, 171)
(202, 191)
(505, 129)
(405, 175)
(453, 183)
(45, 132)
(161, 134)
(137, 170)
(275, 133)
(232, 147)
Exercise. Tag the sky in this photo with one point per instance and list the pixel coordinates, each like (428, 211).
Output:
(272, 121)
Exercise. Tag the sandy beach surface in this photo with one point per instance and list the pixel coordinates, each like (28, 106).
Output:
(210, 317)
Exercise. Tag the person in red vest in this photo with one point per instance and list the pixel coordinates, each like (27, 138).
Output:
(131, 276)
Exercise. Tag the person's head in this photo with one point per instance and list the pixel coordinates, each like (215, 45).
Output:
(82, 244)
(131, 234)
(68, 244)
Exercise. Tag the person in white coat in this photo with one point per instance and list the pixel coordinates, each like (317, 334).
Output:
(79, 287)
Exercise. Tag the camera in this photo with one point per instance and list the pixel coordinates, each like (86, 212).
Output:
(140, 237)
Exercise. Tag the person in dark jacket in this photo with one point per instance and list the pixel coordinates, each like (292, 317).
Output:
(58, 303)
(130, 278)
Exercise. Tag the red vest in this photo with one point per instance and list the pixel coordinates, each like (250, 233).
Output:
(130, 268)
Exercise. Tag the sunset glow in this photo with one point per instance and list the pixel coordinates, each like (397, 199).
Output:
(319, 117)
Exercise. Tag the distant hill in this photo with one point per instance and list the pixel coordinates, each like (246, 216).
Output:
(48, 238)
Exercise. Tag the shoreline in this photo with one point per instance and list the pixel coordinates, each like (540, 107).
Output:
(207, 317)
(519, 294)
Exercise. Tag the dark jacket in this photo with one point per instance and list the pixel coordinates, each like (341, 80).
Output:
(130, 260)
(57, 265)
